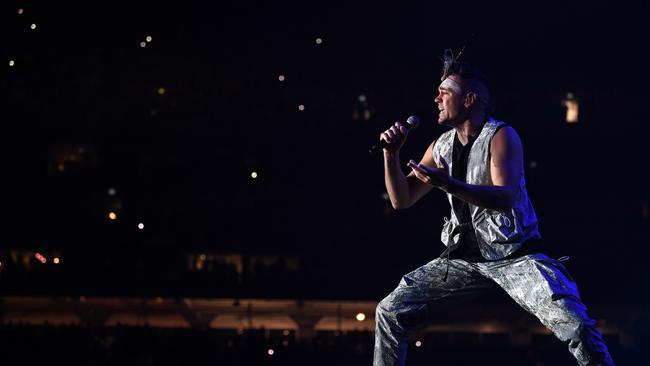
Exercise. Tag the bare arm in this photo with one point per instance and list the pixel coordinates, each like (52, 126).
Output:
(505, 169)
(404, 191)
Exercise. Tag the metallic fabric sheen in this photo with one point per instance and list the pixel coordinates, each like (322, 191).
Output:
(499, 233)
(539, 284)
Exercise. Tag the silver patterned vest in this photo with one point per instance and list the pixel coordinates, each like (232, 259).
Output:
(499, 233)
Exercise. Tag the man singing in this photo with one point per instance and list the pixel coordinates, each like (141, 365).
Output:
(492, 235)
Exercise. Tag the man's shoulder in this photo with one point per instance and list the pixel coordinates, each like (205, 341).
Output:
(496, 123)
(500, 127)
(505, 135)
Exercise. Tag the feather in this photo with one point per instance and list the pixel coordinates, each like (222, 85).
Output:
(449, 60)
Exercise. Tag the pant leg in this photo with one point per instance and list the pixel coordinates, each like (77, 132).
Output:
(544, 288)
(419, 295)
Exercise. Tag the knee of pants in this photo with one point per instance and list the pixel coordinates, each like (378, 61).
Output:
(388, 306)
(383, 307)
(575, 332)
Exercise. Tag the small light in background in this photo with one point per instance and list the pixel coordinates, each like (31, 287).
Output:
(270, 351)
(199, 265)
(572, 108)
(11, 63)
(112, 215)
(418, 344)
(301, 107)
(112, 191)
(361, 317)
(162, 91)
(140, 226)
(149, 39)
(254, 175)
(281, 77)
(0, 264)
(285, 332)
(143, 44)
(285, 343)
(40, 258)
(33, 26)
(533, 164)
(56, 260)
(362, 98)
(319, 40)
(20, 11)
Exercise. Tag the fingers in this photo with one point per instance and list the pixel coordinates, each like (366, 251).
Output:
(422, 176)
(394, 134)
(434, 176)
(413, 165)
(420, 172)
(386, 137)
(419, 167)
(400, 127)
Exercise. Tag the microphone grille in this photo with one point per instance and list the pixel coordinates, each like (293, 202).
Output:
(413, 121)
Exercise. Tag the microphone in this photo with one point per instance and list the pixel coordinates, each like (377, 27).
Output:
(411, 122)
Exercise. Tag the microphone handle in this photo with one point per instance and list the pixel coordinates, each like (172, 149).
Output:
(378, 148)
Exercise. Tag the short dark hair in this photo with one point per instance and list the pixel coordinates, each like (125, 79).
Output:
(472, 75)
(466, 71)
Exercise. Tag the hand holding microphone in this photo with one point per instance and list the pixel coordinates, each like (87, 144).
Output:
(393, 138)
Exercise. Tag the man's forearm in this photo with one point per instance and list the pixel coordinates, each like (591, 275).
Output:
(396, 183)
(491, 197)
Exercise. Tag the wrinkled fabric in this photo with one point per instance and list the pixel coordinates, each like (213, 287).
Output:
(539, 284)
(499, 233)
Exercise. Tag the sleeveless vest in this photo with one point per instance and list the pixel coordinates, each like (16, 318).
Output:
(499, 233)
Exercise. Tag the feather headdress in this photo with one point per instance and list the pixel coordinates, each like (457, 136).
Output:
(449, 60)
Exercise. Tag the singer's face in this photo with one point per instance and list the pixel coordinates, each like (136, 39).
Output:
(450, 101)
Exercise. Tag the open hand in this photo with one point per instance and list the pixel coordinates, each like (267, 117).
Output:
(436, 176)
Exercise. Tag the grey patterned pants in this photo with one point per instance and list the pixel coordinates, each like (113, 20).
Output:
(539, 284)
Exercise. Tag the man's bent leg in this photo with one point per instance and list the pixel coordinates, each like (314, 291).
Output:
(544, 287)
(420, 294)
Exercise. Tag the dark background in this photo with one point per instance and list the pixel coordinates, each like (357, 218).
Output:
(169, 134)
(84, 95)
